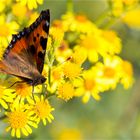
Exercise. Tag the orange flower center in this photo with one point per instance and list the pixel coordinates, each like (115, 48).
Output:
(23, 90)
(42, 109)
(18, 119)
(81, 18)
(109, 72)
(66, 91)
(57, 74)
(89, 84)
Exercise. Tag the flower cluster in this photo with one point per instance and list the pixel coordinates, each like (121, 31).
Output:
(82, 60)
(96, 51)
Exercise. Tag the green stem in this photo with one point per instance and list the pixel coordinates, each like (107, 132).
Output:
(50, 94)
(49, 76)
(110, 23)
(70, 5)
(102, 17)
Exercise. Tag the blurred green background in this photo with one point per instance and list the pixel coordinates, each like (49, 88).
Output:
(117, 115)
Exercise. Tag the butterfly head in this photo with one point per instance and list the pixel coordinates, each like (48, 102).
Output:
(38, 80)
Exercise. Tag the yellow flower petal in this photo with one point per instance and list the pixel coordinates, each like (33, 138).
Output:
(18, 133)
(86, 97)
(24, 131)
(28, 128)
(13, 132)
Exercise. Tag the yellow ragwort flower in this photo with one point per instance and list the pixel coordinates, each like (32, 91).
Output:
(130, 2)
(131, 18)
(63, 52)
(71, 133)
(31, 4)
(77, 23)
(65, 91)
(6, 96)
(56, 34)
(56, 78)
(2, 6)
(41, 109)
(79, 55)
(23, 90)
(32, 17)
(20, 120)
(57, 74)
(88, 86)
(111, 42)
(109, 72)
(119, 7)
(127, 74)
(7, 29)
(71, 70)
(21, 13)
(93, 46)
(58, 24)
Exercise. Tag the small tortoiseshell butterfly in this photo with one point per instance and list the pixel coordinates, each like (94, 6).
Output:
(24, 56)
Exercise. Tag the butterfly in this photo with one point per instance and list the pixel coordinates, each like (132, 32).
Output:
(25, 54)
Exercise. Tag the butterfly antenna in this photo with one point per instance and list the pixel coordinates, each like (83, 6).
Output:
(33, 94)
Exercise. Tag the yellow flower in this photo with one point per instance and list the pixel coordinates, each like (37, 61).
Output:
(23, 90)
(21, 13)
(130, 2)
(117, 7)
(70, 133)
(2, 6)
(6, 96)
(131, 18)
(127, 74)
(88, 86)
(7, 29)
(111, 42)
(78, 23)
(56, 34)
(93, 46)
(63, 52)
(20, 120)
(67, 20)
(41, 109)
(56, 78)
(32, 17)
(71, 70)
(109, 72)
(121, 6)
(65, 91)
(31, 4)
(57, 24)
(57, 73)
(79, 55)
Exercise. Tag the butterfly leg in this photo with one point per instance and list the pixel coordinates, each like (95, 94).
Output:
(17, 82)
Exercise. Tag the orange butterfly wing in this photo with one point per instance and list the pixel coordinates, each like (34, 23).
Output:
(24, 57)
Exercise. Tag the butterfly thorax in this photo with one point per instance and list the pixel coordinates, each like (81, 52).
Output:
(37, 80)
